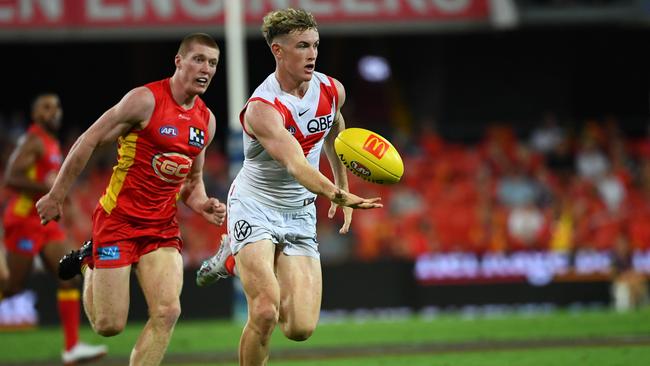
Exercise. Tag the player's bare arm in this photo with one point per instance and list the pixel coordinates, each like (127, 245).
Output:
(133, 111)
(29, 150)
(193, 190)
(338, 169)
(266, 124)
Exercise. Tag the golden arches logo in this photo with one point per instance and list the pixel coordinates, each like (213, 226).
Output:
(376, 146)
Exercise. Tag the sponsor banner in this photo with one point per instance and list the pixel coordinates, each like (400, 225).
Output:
(81, 14)
(537, 268)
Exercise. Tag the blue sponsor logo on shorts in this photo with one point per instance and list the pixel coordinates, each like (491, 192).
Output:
(109, 253)
(26, 244)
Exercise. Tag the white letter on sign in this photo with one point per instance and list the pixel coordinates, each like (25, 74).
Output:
(452, 6)
(202, 11)
(52, 9)
(6, 13)
(318, 7)
(97, 10)
(360, 7)
(163, 8)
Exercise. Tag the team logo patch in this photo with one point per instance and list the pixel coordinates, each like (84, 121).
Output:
(171, 167)
(242, 230)
(169, 131)
(197, 137)
(108, 253)
(25, 244)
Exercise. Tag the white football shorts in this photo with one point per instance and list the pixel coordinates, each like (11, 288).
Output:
(293, 230)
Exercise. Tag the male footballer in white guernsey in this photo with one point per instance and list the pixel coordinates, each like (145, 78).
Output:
(289, 118)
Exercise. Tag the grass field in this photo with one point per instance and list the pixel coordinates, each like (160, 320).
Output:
(557, 338)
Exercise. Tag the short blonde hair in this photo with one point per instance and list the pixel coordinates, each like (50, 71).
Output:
(199, 38)
(281, 22)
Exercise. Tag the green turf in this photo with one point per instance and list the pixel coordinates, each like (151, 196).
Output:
(628, 356)
(218, 336)
(614, 356)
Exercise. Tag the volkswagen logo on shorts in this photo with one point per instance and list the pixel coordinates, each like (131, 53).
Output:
(171, 167)
(242, 230)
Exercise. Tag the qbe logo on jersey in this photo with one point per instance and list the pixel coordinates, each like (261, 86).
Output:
(197, 137)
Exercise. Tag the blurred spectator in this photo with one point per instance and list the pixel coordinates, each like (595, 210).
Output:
(515, 188)
(611, 191)
(546, 137)
(591, 162)
(629, 289)
(561, 162)
(527, 228)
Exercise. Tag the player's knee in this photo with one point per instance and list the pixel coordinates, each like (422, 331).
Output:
(108, 326)
(265, 316)
(298, 333)
(166, 315)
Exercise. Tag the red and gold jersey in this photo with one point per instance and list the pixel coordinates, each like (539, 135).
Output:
(153, 162)
(21, 204)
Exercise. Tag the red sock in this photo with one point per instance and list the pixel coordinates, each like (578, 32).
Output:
(69, 313)
(230, 265)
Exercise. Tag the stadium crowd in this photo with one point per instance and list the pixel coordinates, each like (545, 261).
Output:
(555, 189)
(560, 187)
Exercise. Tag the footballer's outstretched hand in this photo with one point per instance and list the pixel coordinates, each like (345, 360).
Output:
(347, 217)
(343, 198)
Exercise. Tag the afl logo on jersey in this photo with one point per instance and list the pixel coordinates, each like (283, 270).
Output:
(171, 167)
(292, 130)
(169, 131)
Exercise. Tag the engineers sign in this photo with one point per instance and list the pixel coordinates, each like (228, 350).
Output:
(143, 14)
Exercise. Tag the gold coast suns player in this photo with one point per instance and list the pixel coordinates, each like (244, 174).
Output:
(162, 130)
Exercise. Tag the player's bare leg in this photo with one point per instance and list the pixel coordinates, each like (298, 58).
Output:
(107, 302)
(87, 295)
(20, 267)
(301, 290)
(68, 297)
(77, 262)
(4, 270)
(255, 268)
(160, 274)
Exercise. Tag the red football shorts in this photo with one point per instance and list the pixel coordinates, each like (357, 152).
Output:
(119, 243)
(27, 236)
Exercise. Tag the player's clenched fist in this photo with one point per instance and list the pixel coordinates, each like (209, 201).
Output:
(48, 209)
(214, 211)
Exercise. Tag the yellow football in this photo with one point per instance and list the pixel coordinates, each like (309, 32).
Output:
(369, 156)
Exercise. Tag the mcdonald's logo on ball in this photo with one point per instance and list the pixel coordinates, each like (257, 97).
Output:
(369, 156)
(376, 145)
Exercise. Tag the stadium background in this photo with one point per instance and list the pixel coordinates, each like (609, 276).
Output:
(523, 126)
